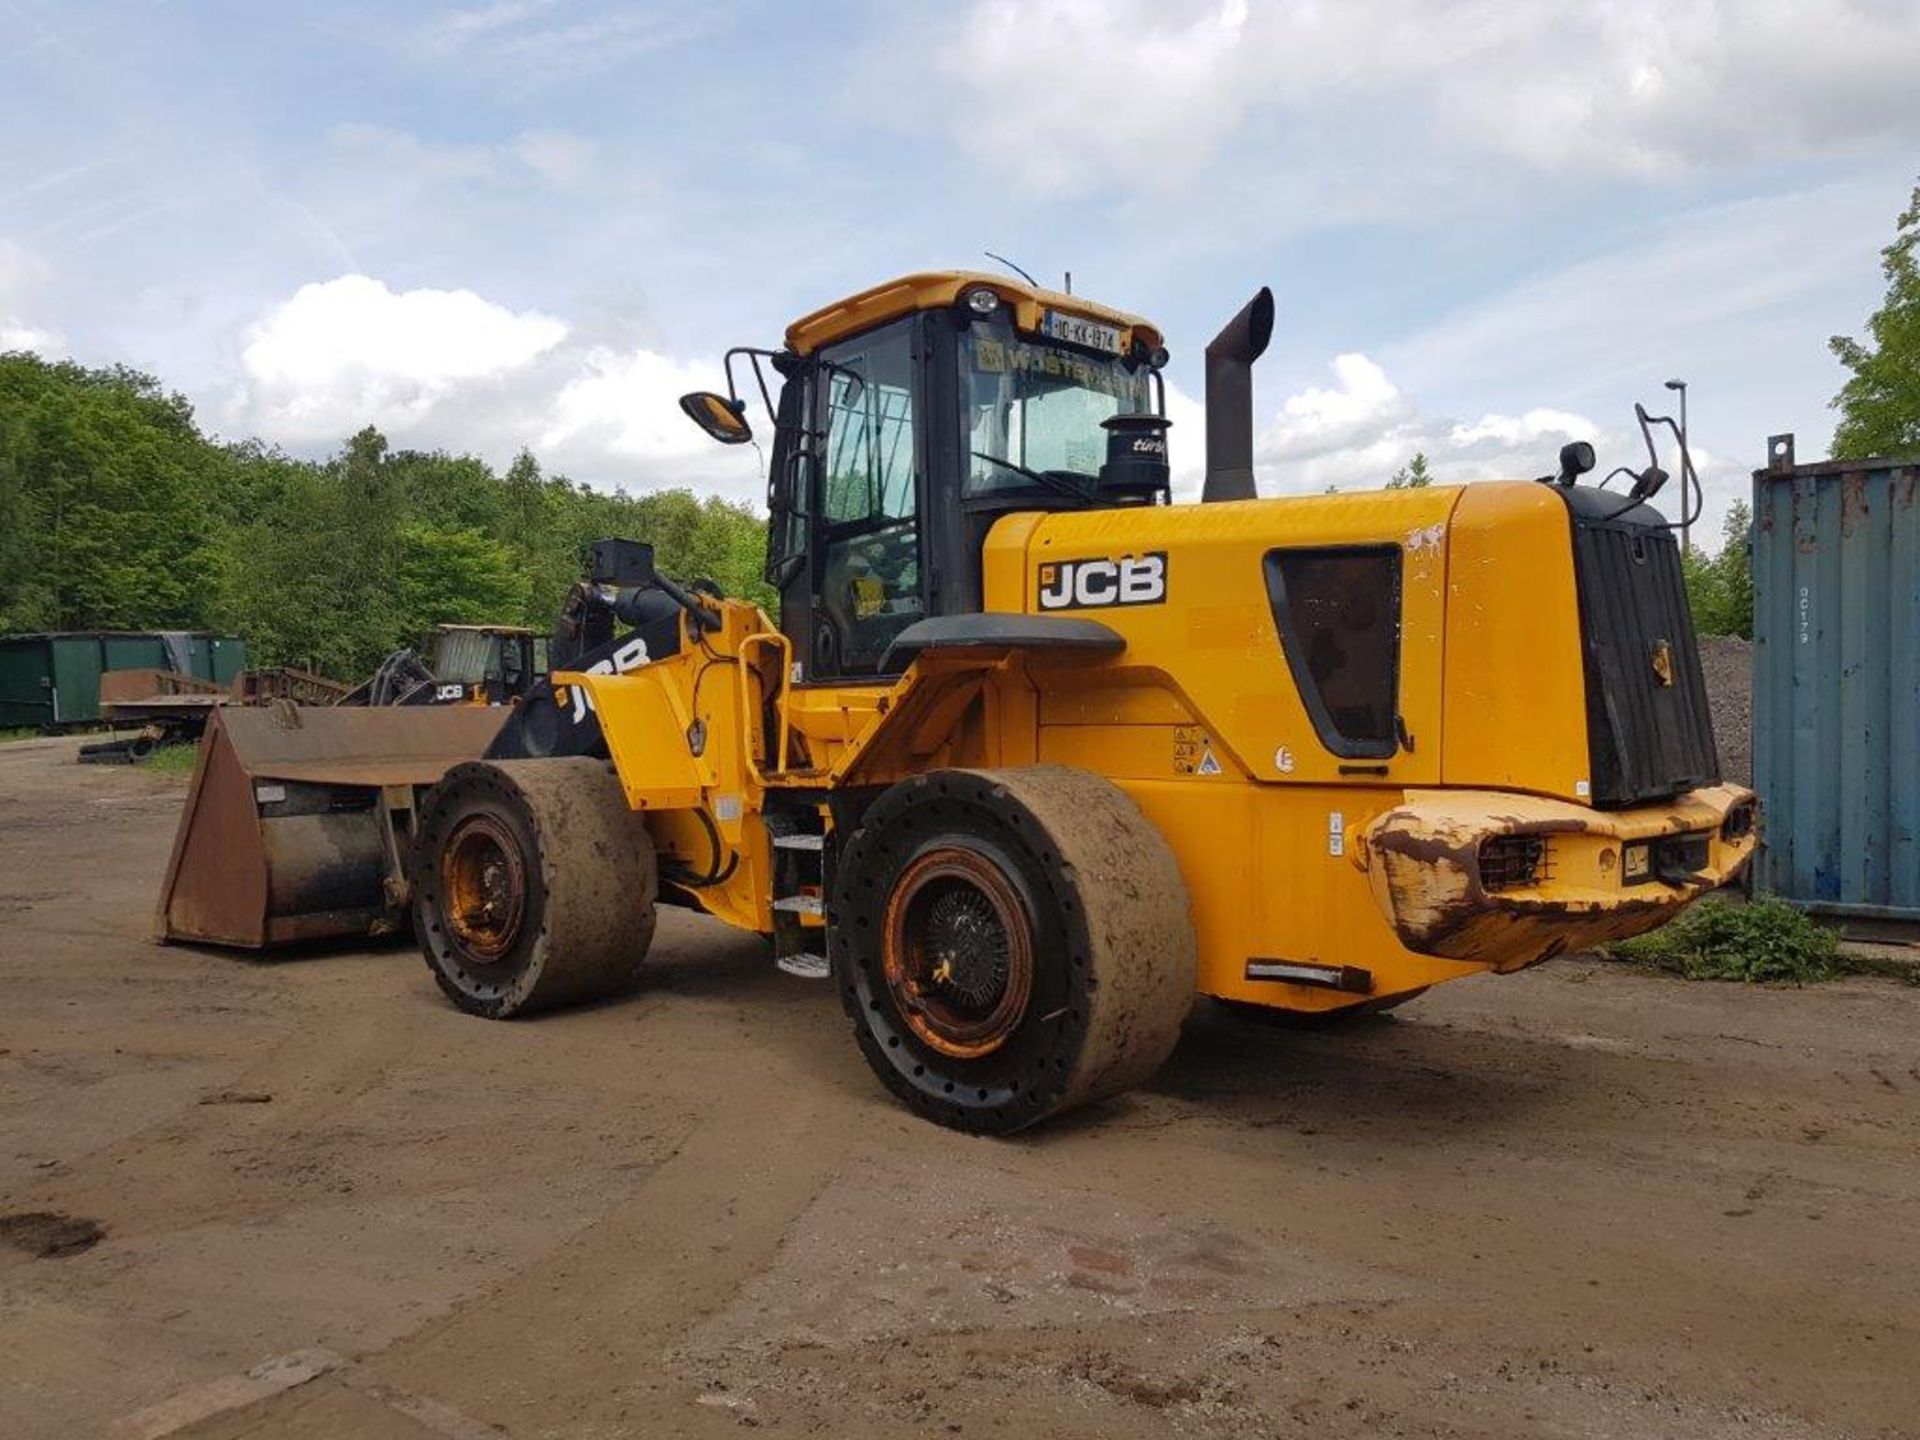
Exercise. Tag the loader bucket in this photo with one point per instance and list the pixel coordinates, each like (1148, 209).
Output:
(297, 819)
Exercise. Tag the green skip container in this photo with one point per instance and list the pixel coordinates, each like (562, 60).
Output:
(51, 681)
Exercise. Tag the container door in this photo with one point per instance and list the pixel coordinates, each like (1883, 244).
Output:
(228, 657)
(26, 684)
(76, 678)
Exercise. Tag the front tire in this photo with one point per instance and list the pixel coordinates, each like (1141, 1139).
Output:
(533, 885)
(1011, 944)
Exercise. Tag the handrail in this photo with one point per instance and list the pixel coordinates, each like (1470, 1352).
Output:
(747, 644)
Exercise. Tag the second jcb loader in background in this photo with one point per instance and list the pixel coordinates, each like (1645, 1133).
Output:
(1033, 755)
(464, 665)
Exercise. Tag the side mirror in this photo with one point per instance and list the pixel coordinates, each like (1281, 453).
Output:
(725, 420)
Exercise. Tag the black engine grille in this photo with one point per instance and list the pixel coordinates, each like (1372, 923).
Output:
(1649, 734)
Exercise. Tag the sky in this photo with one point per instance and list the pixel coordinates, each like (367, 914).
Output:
(1489, 227)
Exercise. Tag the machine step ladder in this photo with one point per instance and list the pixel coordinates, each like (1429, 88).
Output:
(800, 867)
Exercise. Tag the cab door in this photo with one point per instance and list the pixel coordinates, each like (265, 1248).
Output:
(867, 564)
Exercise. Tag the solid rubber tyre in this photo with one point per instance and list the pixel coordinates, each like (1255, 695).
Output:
(1108, 957)
(533, 885)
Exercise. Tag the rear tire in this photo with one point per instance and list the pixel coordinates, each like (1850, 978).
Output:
(1011, 944)
(533, 885)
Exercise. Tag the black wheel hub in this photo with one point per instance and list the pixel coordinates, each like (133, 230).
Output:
(968, 947)
(958, 951)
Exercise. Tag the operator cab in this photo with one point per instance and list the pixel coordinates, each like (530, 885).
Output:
(914, 415)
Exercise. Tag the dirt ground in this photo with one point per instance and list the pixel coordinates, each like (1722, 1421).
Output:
(308, 1198)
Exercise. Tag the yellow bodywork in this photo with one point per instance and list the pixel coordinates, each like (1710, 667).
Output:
(909, 293)
(1291, 854)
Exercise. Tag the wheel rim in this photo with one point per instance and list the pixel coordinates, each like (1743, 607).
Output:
(484, 884)
(958, 952)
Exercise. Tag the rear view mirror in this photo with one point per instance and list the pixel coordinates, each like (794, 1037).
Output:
(725, 420)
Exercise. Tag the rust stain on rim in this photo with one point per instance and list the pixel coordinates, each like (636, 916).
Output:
(485, 883)
(957, 948)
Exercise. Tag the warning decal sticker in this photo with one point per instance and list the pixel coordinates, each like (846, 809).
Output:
(1193, 752)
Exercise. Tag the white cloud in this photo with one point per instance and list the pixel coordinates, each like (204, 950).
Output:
(1521, 429)
(18, 335)
(350, 351)
(1076, 95)
(1363, 405)
(1066, 95)
(625, 404)
(23, 278)
(1354, 434)
(450, 369)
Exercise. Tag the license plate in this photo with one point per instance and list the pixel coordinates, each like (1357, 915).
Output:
(1677, 856)
(1078, 331)
(1637, 864)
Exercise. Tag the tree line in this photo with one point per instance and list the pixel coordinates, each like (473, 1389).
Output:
(117, 512)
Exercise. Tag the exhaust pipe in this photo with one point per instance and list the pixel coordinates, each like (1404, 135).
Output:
(1230, 358)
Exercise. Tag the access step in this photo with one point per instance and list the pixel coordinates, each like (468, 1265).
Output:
(813, 843)
(806, 967)
(801, 905)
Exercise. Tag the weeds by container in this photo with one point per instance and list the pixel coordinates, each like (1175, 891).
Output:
(1764, 940)
(174, 759)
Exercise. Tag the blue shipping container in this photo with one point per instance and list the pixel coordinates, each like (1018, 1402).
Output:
(1836, 682)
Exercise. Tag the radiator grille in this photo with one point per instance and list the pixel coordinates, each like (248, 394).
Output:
(1649, 735)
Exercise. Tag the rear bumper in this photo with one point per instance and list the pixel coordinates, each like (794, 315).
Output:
(1508, 880)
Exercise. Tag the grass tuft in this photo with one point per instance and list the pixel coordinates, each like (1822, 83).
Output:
(1765, 940)
(172, 760)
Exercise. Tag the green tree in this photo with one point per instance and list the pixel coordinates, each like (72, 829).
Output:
(1720, 586)
(315, 578)
(116, 511)
(1414, 475)
(458, 577)
(103, 486)
(1880, 403)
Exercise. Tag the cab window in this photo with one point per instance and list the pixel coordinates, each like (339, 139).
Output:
(1338, 614)
(869, 501)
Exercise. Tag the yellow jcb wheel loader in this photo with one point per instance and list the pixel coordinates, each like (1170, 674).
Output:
(1033, 755)
(464, 665)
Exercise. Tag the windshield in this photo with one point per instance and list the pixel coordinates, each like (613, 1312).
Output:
(464, 655)
(1039, 407)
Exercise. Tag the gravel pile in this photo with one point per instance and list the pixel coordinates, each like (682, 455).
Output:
(1727, 662)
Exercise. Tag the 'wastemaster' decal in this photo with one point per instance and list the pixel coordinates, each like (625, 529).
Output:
(1090, 584)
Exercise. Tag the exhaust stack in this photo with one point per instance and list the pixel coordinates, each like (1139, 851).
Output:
(1230, 356)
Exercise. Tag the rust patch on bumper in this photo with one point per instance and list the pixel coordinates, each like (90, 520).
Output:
(1422, 862)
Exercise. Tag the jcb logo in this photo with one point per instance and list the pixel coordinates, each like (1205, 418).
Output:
(630, 656)
(1088, 584)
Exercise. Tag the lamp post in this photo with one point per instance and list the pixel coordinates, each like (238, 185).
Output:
(1685, 539)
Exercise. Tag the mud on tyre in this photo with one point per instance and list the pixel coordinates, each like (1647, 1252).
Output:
(1011, 944)
(533, 885)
